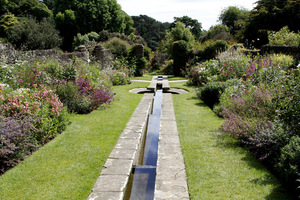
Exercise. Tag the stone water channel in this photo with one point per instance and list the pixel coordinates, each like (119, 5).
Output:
(147, 162)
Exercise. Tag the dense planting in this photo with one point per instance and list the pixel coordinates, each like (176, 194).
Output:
(35, 98)
(259, 99)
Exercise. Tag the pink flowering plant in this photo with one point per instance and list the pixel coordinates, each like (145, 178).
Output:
(40, 102)
(83, 97)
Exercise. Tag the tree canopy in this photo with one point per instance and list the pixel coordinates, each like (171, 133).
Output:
(150, 29)
(232, 17)
(190, 23)
(88, 16)
(271, 15)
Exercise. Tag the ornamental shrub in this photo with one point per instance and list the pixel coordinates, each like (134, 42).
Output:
(118, 47)
(243, 107)
(282, 61)
(289, 161)
(180, 55)
(16, 140)
(82, 97)
(30, 34)
(197, 75)
(211, 92)
(212, 49)
(232, 65)
(284, 37)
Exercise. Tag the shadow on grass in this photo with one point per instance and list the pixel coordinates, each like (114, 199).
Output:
(279, 192)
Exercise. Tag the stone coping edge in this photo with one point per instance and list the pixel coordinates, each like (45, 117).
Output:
(114, 176)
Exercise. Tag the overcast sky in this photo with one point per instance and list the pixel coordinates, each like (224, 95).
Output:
(205, 11)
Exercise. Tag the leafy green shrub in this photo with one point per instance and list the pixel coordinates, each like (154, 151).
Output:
(212, 49)
(29, 34)
(289, 161)
(287, 101)
(167, 68)
(85, 39)
(121, 77)
(180, 54)
(211, 92)
(117, 46)
(282, 61)
(284, 37)
(138, 64)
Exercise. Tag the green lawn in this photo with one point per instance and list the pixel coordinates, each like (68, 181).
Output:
(217, 168)
(68, 166)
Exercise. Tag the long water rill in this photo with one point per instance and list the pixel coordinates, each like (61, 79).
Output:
(144, 175)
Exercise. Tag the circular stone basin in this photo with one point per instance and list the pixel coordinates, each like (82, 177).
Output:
(171, 90)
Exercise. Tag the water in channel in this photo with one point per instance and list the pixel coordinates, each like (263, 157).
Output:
(144, 175)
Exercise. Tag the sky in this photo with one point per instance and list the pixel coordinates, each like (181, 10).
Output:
(205, 11)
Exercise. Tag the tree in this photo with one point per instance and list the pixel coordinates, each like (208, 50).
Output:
(190, 23)
(6, 24)
(66, 23)
(271, 15)
(29, 34)
(151, 30)
(179, 32)
(23, 8)
(233, 17)
(96, 15)
(218, 32)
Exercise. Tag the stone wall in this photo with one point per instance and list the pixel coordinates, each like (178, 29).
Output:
(293, 51)
(101, 55)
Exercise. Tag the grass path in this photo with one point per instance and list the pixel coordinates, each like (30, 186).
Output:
(216, 167)
(68, 166)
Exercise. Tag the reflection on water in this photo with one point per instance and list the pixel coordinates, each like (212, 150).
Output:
(144, 176)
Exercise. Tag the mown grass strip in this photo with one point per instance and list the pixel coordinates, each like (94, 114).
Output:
(217, 168)
(68, 166)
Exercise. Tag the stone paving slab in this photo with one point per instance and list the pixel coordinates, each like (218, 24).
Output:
(106, 196)
(114, 176)
(171, 180)
(111, 183)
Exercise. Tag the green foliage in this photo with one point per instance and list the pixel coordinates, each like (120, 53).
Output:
(180, 55)
(232, 17)
(212, 91)
(289, 161)
(26, 8)
(190, 23)
(117, 46)
(218, 32)
(179, 32)
(30, 34)
(6, 24)
(150, 29)
(270, 15)
(87, 16)
(210, 49)
(283, 61)
(167, 68)
(284, 37)
(67, 25)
